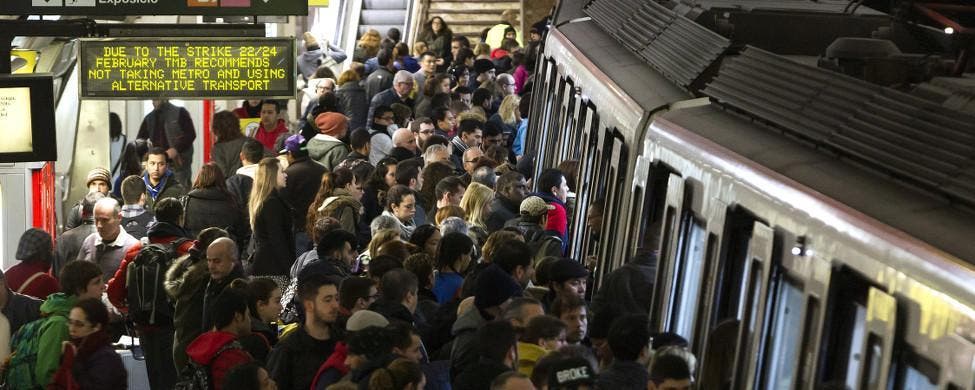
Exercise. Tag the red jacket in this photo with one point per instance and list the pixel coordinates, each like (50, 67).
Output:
(116, 290)
(203, 351)
(42, 285)
(267, 138)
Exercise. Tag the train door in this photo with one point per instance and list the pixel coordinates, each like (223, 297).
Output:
(541, 114)
(738, 301)
(613, 179)
(582, 242)
(859, 334)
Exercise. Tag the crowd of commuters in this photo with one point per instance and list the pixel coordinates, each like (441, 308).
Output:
(389, 240)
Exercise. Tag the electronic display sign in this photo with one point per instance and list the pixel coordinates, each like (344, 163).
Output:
(155, 7)
(27, 118)
(196, 68)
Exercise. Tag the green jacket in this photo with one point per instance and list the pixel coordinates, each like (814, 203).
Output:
(327, 150)
(54, 333)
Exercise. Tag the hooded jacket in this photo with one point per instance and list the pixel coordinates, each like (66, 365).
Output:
(343, 207)
(333, 370)
(203, 351)
(53, 333)
(185, 284)
(528, 355)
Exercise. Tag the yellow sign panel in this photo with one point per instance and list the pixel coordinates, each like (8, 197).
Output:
(318, 3)
(23, 61)
(249, 126)
(187, 68)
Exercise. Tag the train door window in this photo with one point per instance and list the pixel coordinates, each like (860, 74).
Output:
(731, 273)
(648, 234)
(785, 338)
(690, 271)
(859, 328)
(914, 372)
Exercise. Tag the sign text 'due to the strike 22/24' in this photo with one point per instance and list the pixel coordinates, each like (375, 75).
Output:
(120, 69)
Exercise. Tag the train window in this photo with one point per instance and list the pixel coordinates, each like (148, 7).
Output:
(731, 270)
(648, 235)
(845, 330)
(690, 269)
(781, 361)
(914, 372)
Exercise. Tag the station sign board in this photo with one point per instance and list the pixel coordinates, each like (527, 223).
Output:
(27, 118)
(155, 7)
(187, 68)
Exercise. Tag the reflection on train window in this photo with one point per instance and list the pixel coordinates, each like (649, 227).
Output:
(731, 270)
(785, 340)
(690, 269)
(845, 329)
(648, 236)
(872, 363)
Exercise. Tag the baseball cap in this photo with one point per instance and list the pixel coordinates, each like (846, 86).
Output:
(293, 144)
(534, 206)
(571, 372)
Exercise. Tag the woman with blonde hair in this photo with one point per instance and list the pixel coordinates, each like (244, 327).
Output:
(482, 51)
(368, 46)
(271, 220)
(475, 203)
(508, 118)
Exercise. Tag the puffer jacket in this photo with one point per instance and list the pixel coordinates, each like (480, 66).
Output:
(213, 207)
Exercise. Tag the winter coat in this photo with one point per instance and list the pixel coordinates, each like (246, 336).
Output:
(211, 290)
(500, 211)
(387, 98)
(297, 357)
(333, 370)
(96, 366)
(528, 355)
(213, 207)
(481, 377)
(274, 237)
(53, 333)
(227, 155)
(406, 229)
(622, 375)
(268, 137)
(378, 81)
(439, 44)
(185, 283)
(343, 207)
(41, 287)
(68, 245)
(354, 103)
(170, 189)
(463, 354)
(304, 179)
(159, 233)
(629, 286)
(203, 351)
(259, 343)
(327, 151)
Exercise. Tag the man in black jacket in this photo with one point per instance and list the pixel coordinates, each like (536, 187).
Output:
(497, 353)
(170, 128)
(304, 179)
(511, 190)
(296, 358)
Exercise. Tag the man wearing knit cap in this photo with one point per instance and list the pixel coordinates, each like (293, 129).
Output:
(567, 277)
(494, 289)
(35, 252)
(325, 147)
(304, 179)
(399, 93)
(484, 69)
(99, 180)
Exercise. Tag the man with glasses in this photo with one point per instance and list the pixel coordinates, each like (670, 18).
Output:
(422, 128)
(398, 93)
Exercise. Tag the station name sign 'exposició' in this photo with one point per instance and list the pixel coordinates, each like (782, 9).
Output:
(187, 68)
(154, 7)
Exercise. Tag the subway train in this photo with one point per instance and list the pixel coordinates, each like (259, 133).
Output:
(812, 228)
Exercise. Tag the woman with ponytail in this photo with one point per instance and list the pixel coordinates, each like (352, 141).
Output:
(401, 374)
(338, 197)
(271, 220)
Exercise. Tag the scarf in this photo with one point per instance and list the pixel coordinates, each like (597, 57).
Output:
(154, 191)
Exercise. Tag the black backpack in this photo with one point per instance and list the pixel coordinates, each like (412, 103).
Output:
(196, 376)
(147, 299)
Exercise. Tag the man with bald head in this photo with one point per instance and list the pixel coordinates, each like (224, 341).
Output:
(223, 267)
(109, 244)
(405, 138)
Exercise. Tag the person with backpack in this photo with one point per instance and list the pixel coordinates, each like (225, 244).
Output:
(186, 282)
(89, 361)
(534, 217)
(216, 352)
(36, 347)
(138, 289)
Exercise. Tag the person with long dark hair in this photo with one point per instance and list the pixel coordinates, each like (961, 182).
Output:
(228, 140)
(209, 204)
(454, 255)
(437, 35)
(116, 141)
(338, 197)
(271, 220)
(129, 164)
